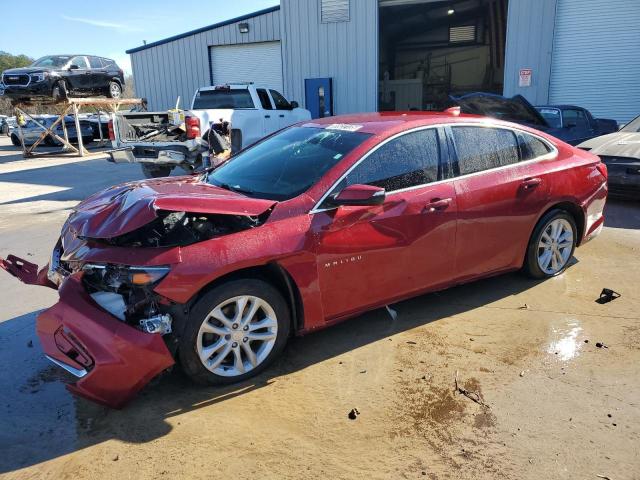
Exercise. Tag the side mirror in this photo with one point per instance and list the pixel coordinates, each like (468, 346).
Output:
(359, 195)
(294, 104)
(73, 67)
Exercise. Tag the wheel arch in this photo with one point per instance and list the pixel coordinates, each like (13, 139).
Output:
(575, 211)
(276, 275)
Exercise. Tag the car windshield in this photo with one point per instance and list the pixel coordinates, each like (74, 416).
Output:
(286, 164)
(632, 126)
(223, 98)
(552, 116)
(55, 61)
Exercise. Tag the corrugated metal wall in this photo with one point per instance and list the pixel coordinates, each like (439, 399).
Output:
(530, 27)
(179, 67)
(596, 57)
(345, 51)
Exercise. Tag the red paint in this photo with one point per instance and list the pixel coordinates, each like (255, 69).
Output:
(342, 262)
(124, 359)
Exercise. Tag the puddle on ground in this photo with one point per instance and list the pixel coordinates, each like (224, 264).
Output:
(564, 340)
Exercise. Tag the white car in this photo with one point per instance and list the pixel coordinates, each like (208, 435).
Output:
(160, 141)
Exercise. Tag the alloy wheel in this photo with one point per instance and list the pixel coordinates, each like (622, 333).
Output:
(237, 335)
(555, 246)
(115, 90)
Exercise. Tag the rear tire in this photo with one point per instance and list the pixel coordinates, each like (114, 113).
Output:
(152, 171)
(551, 245)
(114, 90)
(232, 331)
(15, 140)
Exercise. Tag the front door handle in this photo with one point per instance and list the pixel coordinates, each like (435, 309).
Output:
(529, 183)
(267, 116)
(437, 204)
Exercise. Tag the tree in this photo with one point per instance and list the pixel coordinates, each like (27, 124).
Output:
(8, 61)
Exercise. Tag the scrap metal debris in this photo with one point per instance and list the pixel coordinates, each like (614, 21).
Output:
(353, 414)
(606, 296)
(392, 313)
(601, 345)
(470, 395)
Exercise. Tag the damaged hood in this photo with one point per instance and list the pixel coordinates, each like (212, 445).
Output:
(515, 109)
(618, 144)
(124, 208)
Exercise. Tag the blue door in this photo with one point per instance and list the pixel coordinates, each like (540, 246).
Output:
(319, 97)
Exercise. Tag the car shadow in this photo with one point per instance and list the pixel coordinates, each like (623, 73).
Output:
(622, 213)
(38, 411)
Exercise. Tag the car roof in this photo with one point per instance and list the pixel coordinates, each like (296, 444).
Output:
(387, 122)
(560, 107)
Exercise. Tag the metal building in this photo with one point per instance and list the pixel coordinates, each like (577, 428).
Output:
(342, 56)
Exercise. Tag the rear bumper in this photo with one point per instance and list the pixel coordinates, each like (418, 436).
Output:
(112, 360)
(594, 214)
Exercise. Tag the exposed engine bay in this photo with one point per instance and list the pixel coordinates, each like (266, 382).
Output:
(171, 229)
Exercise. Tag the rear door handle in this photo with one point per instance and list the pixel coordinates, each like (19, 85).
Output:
(267, 116)
(530, 183)
(281, 116)
(437, 204)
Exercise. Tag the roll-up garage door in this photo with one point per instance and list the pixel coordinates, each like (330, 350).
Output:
(596, 57)
(260, 63)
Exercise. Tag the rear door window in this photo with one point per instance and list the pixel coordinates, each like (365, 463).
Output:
(265, 101)
(531, 147)
(95, 62)
(575, 118)
(281, 102)
(223, 98)
(482, 148)
(407, 161)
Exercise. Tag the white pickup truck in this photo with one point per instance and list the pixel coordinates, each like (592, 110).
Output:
(160, 141)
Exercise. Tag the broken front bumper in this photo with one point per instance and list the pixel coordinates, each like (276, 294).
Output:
(112, 360)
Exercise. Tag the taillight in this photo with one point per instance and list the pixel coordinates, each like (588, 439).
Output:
(193, 127)
(112, 134)
(602, 168)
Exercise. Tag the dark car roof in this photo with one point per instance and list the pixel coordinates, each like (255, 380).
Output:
(561, 107)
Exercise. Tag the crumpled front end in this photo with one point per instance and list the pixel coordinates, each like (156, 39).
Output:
(112, 360)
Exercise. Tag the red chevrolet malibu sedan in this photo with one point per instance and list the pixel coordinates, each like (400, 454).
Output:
(314, 224)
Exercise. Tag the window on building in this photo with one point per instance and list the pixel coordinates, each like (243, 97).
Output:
(265, 101)
(576, 118)
(404, 162)
(334, 11)
(281, 102)
(481, 148)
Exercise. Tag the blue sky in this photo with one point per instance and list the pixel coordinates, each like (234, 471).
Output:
(108, 28)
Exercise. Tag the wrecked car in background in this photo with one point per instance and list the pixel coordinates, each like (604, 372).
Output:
(620, 152)
(241, 114)
(60, 76)
(31, 131)
(569, 123)
(312, 225)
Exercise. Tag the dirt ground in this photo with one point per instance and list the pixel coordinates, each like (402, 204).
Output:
(557, 405)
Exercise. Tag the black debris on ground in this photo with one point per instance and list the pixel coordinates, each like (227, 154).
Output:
(353, 414)
(606, 296)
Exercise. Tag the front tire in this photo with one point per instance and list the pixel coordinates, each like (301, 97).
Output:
(551, 245)
(15, 140)
(60, 91)
(234, 332)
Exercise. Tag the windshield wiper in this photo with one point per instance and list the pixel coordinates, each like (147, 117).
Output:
(235, 189)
